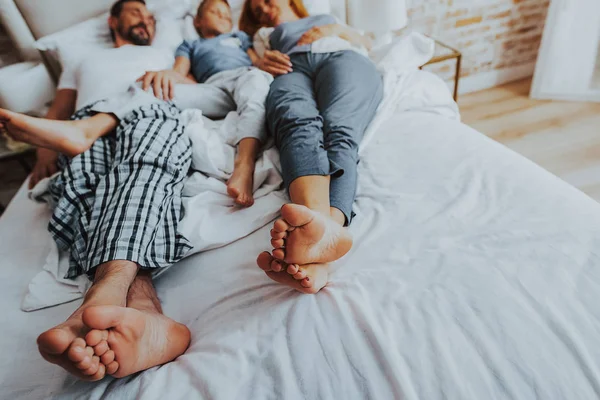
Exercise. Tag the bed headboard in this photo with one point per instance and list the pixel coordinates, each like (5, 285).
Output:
(28, 20)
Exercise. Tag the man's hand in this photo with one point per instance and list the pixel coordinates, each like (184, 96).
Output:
(162, 82)
(45, 166)
(319, 32)
(275, 63)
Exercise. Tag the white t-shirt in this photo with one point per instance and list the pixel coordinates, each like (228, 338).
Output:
(103, 73)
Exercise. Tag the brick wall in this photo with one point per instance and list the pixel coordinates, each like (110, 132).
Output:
(492, 34)
(7, 53)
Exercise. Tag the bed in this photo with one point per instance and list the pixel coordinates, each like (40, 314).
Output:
(475, 275)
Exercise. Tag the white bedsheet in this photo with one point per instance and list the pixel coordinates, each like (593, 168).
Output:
(475, 275)
(210, 220)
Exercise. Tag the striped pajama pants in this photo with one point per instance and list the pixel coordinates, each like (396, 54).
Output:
(121, 200)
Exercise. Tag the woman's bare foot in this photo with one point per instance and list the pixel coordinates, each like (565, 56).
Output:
(67, 137)
(308, 279)
(302, 236)
(240, 184)
(137, 339)
(64, 346)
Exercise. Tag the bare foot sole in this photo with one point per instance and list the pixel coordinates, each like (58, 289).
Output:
(308, 279)
(67, 137)
(64, 346)
(239, 186)
(302, 236)
(137, 340)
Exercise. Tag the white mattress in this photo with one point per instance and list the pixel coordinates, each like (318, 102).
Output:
(475, 275)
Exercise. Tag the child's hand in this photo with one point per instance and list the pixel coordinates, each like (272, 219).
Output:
(319, 32)
(275, 63)
(162, 82)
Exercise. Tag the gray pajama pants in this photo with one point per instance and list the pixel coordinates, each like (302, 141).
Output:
(121, 199)
(318, 115)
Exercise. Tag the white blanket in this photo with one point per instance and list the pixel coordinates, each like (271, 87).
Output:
(210, 219)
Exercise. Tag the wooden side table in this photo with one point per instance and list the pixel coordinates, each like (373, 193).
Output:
(444, 52)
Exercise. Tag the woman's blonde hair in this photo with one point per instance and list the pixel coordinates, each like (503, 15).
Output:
(249, 23)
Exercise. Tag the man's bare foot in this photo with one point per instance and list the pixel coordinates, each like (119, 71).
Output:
(138, 340)
(302, 236)
(64, 346)
(240, 184)
(67, 137)
(308, 279)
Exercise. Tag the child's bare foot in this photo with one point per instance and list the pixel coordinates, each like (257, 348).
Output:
(308, 279)
(68, 137)
(64, 346)
(303, 236)
(137, 340)
(240, 184)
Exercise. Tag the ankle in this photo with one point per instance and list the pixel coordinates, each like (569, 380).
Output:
(244, 161)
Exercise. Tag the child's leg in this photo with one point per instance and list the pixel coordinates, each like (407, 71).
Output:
(68, 137)
(240, 186)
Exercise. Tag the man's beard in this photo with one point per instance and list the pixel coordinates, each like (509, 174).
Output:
(134, 37)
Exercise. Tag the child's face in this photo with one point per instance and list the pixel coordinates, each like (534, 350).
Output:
(215, 19)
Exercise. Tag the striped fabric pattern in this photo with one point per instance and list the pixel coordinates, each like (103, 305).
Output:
(121, 200)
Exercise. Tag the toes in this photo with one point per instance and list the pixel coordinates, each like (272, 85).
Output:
(280, 226)
(292, 269)
(112, 368)
(77, 351)
(85, 364)
(300, 275)
(276, 266)
(101, 373)
(264, 261)
(277, 243)
(278, 235)
(279, 254)
(108, 357)
(306, 283)
(95, 336)
(101, 348)
(94, 367)
(55, 341)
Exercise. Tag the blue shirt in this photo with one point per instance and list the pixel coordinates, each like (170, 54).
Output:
(285, 37)
(211, 56)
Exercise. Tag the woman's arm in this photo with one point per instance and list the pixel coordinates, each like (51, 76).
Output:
(342, 31)
(274, 62)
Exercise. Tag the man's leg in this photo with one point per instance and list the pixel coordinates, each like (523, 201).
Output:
(65, 345)
(138, 336)
(67, 137)
(131, 208)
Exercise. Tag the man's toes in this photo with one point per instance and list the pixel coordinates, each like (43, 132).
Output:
(93, 368)
(300, 275)
(279, 254)
(95, 336)
(101, 348)
(77, 350)
(112, 368)
(276, 266)
(306, 283)
(264, 261)
(277, 243)
(278, 235)
(100, 373)
(292, 269)
(280, 226)
(108, 357)
(84, 364)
